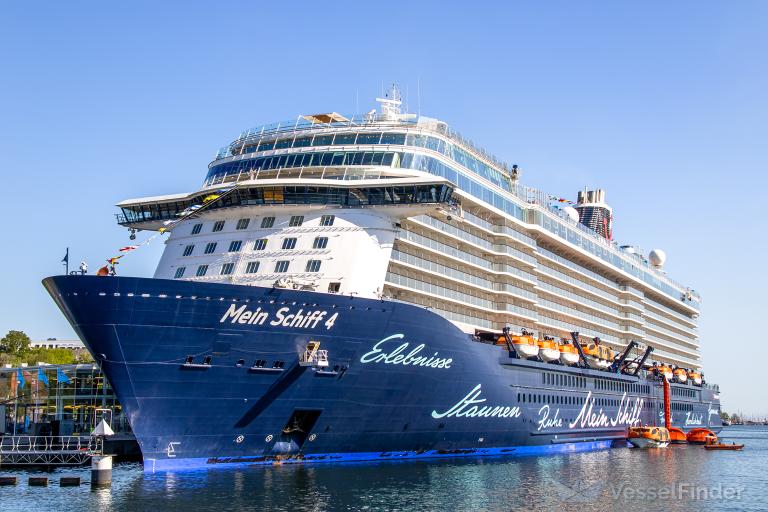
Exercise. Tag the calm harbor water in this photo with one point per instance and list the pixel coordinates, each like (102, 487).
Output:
(677, 478)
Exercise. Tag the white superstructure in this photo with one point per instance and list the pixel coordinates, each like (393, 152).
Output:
(397, 206)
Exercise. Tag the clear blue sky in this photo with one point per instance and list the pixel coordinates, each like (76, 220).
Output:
(663, 104)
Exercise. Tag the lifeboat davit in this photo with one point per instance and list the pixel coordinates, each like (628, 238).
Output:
(598, 356)
(525, 346)
(701, 436)
(681, 375)
(548, 350)
(677, 436)
(648, 437)
(569, 355)
(695, 377)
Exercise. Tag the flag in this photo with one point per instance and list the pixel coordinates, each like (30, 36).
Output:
(128, 248)
(20, 380)
(211, 197)
(61, 376)
(113, 260)
(41, 377)
(65, 259)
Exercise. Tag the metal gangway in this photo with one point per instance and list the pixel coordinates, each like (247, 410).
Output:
(23, 450)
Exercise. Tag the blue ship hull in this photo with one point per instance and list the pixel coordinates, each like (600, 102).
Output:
(209, 375)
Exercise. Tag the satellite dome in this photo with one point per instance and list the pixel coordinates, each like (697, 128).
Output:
(572, 213)
(657, 257)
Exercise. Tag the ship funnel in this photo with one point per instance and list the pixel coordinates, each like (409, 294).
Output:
(594, 213)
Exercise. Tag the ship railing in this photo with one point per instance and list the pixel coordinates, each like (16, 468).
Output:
(45, 444)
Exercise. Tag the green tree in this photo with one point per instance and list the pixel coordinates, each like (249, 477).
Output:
(724, 416)
(15, 343)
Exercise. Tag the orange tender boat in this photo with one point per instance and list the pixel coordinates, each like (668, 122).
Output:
(701, 436)
(677, 436)
(648, 437)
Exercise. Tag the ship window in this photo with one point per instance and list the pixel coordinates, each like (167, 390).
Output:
(313, 265)
(260, 244)
(188, 250)
(322, 140)
(393, 138)
(334, 287)
(301, 142)
(179, 272)
(368, 138)
(227, 269)
(235, 245)
(210, 248)
(296, 220)
(266, 146)
(243, 223)
(344, 138)
(325, 158)
(218, 226)
(207, 360)
(282, 266)
(283, 143)
(267, 222)
(327, 220)
(201, 270)
(196, 228)
(320, 242)
(252, 267)
(289, 243)
(189, 360)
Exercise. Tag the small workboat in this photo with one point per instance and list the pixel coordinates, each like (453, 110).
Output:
(648, 437)
(722, 446)
(677, 436)
(548, 350)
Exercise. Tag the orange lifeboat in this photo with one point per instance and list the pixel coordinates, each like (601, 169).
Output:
(648, 437)
(598, 356)
(569, 355)
(677, 436)
(695, 377)
(680, 375)
(548, 350)
(701, 436)
(666, 371)
(525, 345)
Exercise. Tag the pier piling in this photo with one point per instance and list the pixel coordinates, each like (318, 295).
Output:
(38, 481)
(101, 470)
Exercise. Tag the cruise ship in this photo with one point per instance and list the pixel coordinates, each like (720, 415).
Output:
(377, 287)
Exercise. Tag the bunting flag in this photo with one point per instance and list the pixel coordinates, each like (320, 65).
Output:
(560, 200)
(128, 248)
(20, 380)
(113, 260)
(210, 198)
(61, 376)
(41, 377)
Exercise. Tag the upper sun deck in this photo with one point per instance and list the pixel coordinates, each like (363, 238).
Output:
(389, 146)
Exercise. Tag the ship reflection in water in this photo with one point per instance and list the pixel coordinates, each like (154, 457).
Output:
(679, 478)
